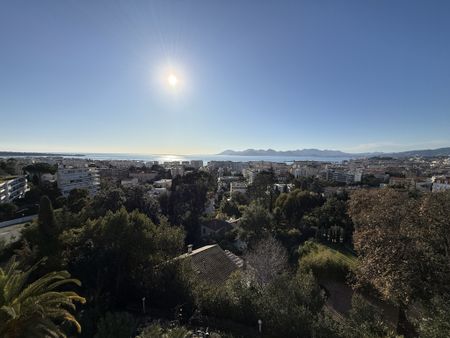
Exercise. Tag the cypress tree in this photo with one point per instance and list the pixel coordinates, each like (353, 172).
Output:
(46, 218)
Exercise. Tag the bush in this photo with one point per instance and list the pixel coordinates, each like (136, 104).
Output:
(156, 330)
(325, 262)
(116, 325)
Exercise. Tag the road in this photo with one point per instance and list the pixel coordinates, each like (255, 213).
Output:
(11, 233)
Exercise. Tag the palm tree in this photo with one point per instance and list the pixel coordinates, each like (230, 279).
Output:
(36, 309)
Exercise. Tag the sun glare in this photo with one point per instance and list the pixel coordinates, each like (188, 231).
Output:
(172, 80)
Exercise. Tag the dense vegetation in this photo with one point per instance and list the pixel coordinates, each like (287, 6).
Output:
(118, 274)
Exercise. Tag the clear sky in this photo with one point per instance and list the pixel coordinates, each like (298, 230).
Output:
(91, 76)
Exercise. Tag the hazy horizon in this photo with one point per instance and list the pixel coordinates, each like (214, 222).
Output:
(167, 77)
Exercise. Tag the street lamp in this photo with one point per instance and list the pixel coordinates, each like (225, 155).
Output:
(143, 305)
(260, 325)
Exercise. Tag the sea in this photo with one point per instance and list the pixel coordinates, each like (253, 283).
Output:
(207, 158)
(161, 158)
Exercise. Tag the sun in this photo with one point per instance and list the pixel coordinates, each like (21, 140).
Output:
(172, 80)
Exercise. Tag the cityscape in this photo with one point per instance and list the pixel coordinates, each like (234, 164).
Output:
(193, 169)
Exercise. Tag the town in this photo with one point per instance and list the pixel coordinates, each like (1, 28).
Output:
(242, 221)
(423, 174)
(224, 169)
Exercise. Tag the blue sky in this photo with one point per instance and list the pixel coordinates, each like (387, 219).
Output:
(90, 76)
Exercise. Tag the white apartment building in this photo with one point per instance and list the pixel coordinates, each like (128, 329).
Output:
(177, 171)
(304, 171)
(250, 174)
(164, 183)
(440, 183)
(12, 188)
(70, 178)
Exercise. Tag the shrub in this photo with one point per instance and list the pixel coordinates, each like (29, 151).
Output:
(325, 262)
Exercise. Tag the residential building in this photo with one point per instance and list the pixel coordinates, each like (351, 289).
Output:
(211, 264)
(238, 187)
(338, 176)
(440, 183)
(197, 164)
(250, 174)
(164, 183)
(144, 177)
(70, 178)
(214, 227)
(177, 171)
(130, 182)
(12, 187)
(283, 187)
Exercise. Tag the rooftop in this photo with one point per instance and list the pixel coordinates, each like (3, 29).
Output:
(212, 264)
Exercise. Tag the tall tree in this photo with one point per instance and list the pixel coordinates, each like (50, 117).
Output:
(267, 259)
(403, 246)
(35, 309)
(119, 252)
(46, 218)
(255, 222)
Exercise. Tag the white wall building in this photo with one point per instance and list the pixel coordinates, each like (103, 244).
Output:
(164, 183)
(78, 178)
(440, 183)
(12, 188)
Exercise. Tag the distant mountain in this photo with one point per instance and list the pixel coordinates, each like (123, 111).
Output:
(294, 153)
(422, 153)
(336, 153)
(31, 154)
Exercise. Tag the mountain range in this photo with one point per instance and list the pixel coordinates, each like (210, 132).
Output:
(335, 153)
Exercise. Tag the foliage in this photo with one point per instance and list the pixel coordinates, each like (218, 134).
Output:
(116, 325)
(119, 252)
(42, 236)
(331, 220)
(35, 193)
(239, 198)
(8, 167)
(107, 200)
(136, 198)
(7, 211)
(295, 204)
(187, 202)
(255, 222)
(77, 199)
(371, 181)
(289, 306)
(366, 320)
(156, 330)
(171, 286)
(434, 321)
(41, 167)
(403, 243)
(46, 218)
(263, 181)
(230, 208)
(36, 309)
(326, 262)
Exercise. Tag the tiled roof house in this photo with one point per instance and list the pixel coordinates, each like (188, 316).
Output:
(212, 264)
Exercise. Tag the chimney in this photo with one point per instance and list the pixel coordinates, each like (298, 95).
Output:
(189, 248)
